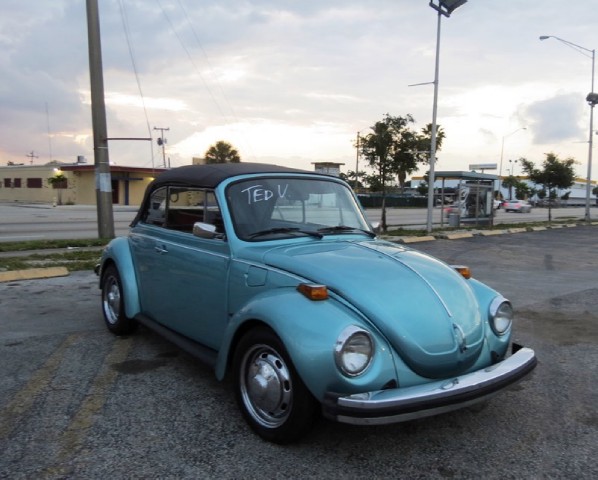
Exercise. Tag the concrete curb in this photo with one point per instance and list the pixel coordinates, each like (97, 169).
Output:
(472, 233)
(33, 273)
(489, 233)
(426, 238)
(455, 235)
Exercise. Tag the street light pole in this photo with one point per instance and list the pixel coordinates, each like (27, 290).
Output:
(444, 7)
(502, 150)
(592, 100)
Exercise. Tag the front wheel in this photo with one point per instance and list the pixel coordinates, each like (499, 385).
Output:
(113, 305)
(271, 396)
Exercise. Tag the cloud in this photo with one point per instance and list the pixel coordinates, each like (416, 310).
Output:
(269, 74)
(556, 119)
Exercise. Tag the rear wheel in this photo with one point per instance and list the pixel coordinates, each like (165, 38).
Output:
(113, 305)
(273, 399)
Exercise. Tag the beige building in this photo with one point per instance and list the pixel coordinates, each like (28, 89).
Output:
(328, 168)
(33, 184)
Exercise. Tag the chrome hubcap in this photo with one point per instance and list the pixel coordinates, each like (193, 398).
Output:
(266, 386)
(111, 301)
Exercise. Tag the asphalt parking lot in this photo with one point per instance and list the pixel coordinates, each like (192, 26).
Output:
(77, 402)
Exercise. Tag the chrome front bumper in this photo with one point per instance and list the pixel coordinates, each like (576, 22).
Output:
(402, 404)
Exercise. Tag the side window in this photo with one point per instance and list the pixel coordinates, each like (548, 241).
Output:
(212, 212)
(156, 212)
(179, 208)
(185, 207)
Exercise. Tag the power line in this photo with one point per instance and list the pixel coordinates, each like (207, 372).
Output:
(207, 60)
(125, 22)
(191, 59)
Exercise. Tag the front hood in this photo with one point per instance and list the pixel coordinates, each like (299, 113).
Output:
(424, 308)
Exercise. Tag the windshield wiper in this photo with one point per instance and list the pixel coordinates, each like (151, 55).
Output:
(276, 230)
(345, 229)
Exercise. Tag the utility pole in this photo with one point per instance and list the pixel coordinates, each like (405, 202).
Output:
(100, 132)
(162, 142)
(31, 156)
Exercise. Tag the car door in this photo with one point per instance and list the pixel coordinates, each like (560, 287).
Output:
(182, 278)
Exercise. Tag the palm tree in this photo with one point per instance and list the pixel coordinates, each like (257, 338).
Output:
(222, 152)
(59, 182)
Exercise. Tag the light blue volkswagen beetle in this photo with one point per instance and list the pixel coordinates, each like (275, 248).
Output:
(274, 275)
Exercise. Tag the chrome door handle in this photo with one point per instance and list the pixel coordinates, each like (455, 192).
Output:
(160, 249)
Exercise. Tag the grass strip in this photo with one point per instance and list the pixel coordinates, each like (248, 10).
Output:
(71, 260)
(49, 244)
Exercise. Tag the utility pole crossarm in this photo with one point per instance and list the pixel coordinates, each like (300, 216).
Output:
(162, 142)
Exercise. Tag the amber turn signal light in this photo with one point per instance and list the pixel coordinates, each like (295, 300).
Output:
(313, 292)
(463, 270)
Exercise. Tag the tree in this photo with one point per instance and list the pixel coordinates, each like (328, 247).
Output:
(377, 147)
(522, 189)
(422, 187)
(222, 152)
(555, 174)
(355, 180)
(59, 182)
(510, 182)
(393, 148)
(424, 141)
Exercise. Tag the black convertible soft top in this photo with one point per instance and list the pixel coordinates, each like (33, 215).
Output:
(209, 176)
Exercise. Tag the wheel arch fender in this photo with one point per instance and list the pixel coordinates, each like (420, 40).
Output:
(118, 253)
(309, 331)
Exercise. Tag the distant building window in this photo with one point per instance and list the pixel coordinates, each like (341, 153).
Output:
(7, 183)
(17, 183)
(34, 183)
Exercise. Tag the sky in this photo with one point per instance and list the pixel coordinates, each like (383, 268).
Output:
(293, 82)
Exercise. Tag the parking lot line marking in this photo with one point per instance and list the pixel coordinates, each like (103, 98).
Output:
(71, 440)
(24, 399)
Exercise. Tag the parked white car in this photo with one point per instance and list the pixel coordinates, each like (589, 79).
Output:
(520, 206)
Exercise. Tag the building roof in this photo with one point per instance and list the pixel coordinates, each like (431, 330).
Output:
(465, 175)
(113, 168)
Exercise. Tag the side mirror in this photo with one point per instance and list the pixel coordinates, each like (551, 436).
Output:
(376, 227)
(204, 230)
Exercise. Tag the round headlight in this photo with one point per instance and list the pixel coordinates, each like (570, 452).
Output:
(501, 315)
(353, 351)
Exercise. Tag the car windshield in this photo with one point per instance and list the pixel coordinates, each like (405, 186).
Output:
(267, 208)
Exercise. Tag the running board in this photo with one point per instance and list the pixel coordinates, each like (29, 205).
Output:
(201, 352)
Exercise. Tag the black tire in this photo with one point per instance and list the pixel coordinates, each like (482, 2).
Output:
(113, 305)
(273, 399)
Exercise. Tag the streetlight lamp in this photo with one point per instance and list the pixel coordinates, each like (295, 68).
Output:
(443, 7)
(513, 164)
(592, 100)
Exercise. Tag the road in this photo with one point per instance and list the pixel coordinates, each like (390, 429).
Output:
(36, 222)
(78, 402)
